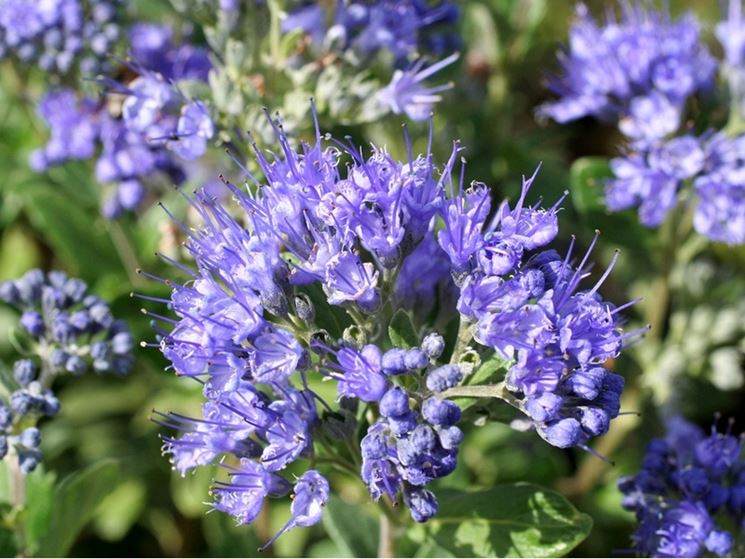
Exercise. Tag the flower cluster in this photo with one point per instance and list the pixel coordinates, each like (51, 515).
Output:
(68, 331)
(526, 305)
(400, 28)
(256, 325)
(641, 69)
(361, 30)
(689, 488)
(57, 35)
(155, 131)
(714, 167)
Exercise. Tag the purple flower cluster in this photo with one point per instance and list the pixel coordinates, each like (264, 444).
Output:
(58, 34)
(399, 27)
(156, 130)
(525, 304)
(68, 331)
(707, 172)
(690, 485)
(640, 69)
(415, 441)
(253, 323)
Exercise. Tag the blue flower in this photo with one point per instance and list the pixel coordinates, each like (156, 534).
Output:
(243, 496)
(368, 27)
(731, 34)
(60, 36)
(73, 129)
(348, 279)
(407, 94)
(70, 331)
(679, 491)
(362, 375)
(330, 239)
(642, 67)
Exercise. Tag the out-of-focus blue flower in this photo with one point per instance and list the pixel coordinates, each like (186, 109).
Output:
(681, 493)
(709, 169)
(73, 127)
(407, 94)
(158, 128)
(399, 27)
(641, 67)
(731, 34)
(69, 331)
(59, 35)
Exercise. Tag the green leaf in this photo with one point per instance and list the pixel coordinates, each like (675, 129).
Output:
(225, 539)
(86, 250)
(488, 370)
(587, 186)
(8, 543)
(401, 330)
(354, 532)
(516, 520)
(40, 487)
(75, 502)
(121, 509)
(587, 183)
(188, 491)
(487, 373)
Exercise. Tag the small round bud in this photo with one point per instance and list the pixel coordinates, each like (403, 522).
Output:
(33, 323)
(394, 403)
(562, 433)
(30, 438)
(450, 437)
(304, 308)
(433, 345)
(444, 377)
(415, 358)
(403, 424)
(59, 358)
(6, 417)
(440, 412)
(122, 343)
(28, 461)
(75, 365)
(422, 503)
(24, 371)
(80, 320)
(393, 362)
(543, 407)
(423, 438)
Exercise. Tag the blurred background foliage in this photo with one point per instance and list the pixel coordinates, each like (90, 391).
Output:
(52, 220)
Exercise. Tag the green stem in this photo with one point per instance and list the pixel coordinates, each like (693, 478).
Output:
(482, 391)
(465, 335)
(274, 31)
(387, 540)
(126, 253)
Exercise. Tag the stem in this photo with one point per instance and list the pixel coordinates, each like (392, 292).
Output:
(19, 483)
(387, 541)
(735, 123)
(274, 30)
(125, 251)
(465, 335)
(18, 490)
(264, 529)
